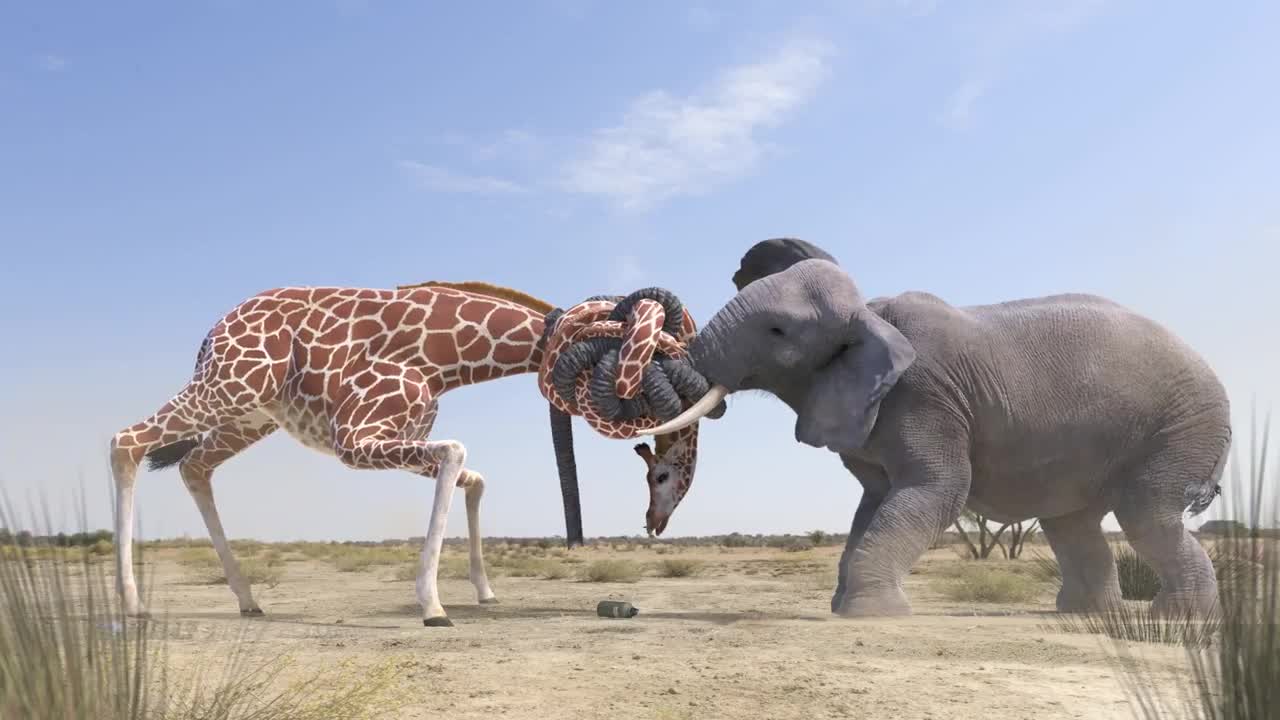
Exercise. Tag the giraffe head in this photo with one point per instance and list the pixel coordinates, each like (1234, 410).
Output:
(669, 474)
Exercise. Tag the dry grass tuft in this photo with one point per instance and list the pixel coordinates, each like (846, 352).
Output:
(198, 557)
(67, 651)
(981, 582)
(678, 567)
(361, 559)
(606, 571)
(255, 570)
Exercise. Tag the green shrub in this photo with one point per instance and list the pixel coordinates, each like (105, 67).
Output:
(1138, 580)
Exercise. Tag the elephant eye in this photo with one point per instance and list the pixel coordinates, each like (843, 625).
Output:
(776, 331)
(836, 355)
(662, 477)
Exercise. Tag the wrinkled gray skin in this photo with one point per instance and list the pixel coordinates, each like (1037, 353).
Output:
(1061, 408)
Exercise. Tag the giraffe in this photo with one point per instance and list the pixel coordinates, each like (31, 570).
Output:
(355, 373)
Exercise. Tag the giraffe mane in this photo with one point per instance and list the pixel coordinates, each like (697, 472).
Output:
(490, 290)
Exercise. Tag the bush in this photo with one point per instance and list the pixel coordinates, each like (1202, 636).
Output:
(362, 559)
(620, 571)
(554, 571)
(678, 567)
(986, 584)
(254, 570)
(1238, 676)
(199, 558)
(1138, 580)
(67, 651)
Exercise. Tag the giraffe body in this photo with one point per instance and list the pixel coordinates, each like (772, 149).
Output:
(351, 372)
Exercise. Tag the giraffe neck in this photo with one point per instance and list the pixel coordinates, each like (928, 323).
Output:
(490, 339)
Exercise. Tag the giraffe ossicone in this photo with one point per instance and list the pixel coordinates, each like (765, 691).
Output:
(357, 373)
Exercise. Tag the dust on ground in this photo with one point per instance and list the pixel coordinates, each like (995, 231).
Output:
(750, 636)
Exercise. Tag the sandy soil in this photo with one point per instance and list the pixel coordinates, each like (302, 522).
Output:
(751, 637)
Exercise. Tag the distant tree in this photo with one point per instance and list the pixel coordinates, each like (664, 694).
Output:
(1019, 534)
(987, 540)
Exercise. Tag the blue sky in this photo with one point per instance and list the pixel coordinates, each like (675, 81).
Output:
(160, 162)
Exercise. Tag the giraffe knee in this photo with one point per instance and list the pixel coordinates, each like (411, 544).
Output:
(451, 452)
(471, 481)
(195, 477)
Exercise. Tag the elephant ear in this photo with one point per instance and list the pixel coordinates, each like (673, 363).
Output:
(842, 404)
(773, 256)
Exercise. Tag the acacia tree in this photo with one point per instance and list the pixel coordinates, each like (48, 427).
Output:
(988, 541)
(1019, 534)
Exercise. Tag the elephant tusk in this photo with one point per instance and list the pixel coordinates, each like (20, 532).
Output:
(695, 412)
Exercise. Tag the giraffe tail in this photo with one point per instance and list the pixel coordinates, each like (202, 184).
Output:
(171, 454)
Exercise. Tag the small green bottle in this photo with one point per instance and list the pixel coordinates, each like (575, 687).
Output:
(616, 609)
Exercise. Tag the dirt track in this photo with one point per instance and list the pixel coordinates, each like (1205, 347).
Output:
(750, 637)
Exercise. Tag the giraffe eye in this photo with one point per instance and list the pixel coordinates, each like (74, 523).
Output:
(661, 478)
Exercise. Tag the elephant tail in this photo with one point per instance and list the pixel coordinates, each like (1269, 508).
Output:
(1198, 496)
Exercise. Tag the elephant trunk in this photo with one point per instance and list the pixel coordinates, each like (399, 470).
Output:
(562, 442)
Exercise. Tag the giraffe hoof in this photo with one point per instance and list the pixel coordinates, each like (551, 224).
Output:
(441, 621)
(489, 601)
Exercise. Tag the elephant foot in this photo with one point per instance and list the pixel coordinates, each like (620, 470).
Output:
(438, 621)
(891, 602)
(1074, 602)
(251, 610)
(1179, 607)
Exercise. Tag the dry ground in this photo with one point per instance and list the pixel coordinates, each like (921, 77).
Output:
(749, 636)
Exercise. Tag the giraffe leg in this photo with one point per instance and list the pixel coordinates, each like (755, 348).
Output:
(473, 484)
(182, 418)
(370, 434)
(218, 446)
(220, 392)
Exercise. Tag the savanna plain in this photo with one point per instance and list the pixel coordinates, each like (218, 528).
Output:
(729, 627)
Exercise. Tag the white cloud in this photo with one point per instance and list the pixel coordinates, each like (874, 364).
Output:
(627, 275)
(700, 17)
(959, 108)
(439, 179)
(668, 146)
(1000, 38)
(53, 63)
(918, 8)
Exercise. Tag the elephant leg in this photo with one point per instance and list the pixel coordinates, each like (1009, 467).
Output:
(1089, 579)
(874, 488)
(1150, 512)
(867, 508)
(929, 488)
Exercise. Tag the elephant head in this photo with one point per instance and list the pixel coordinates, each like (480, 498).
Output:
(799, 329)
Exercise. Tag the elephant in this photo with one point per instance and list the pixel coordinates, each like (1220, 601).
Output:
(1063, 408)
